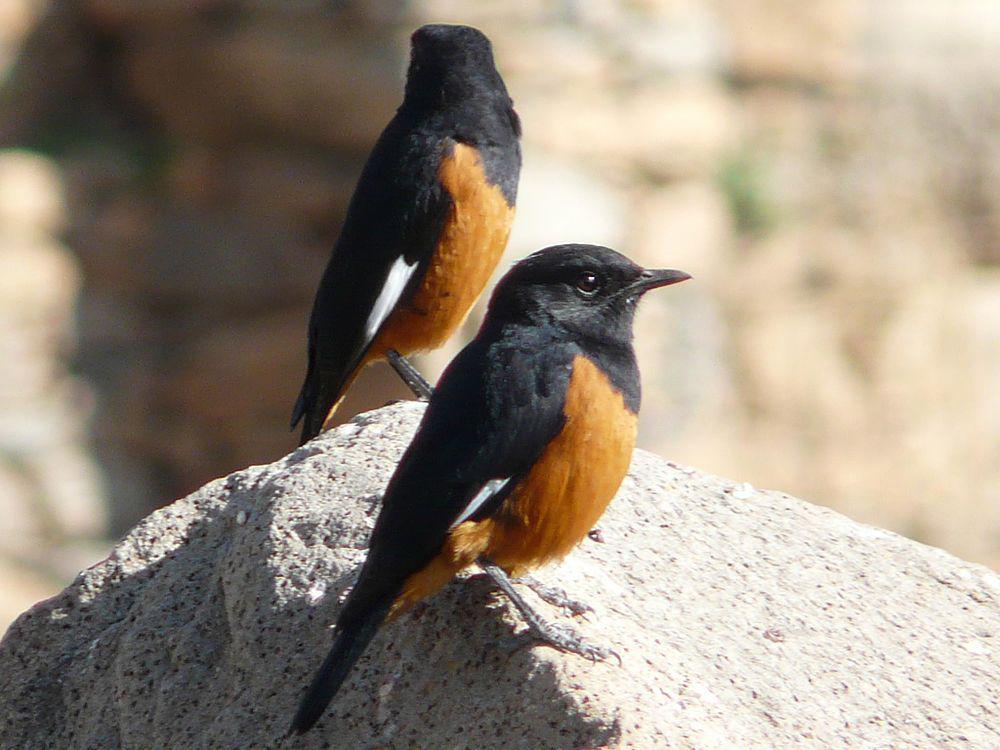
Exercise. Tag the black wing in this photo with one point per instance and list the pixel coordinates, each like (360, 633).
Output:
(392, 227)
(496, 408)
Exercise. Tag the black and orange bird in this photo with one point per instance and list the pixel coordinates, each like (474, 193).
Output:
(525, 441)
(427, 224)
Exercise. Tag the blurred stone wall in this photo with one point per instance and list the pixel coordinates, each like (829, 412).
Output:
(827, 171)
(50, 494)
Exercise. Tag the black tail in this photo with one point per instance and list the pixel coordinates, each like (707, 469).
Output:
(319, 393)
(300, 403)
(348, 645)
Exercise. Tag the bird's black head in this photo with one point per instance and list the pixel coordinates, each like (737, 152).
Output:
(450, 64)
(586, 291)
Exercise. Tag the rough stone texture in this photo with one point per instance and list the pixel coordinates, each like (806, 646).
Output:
(828, 171)
(743, 618)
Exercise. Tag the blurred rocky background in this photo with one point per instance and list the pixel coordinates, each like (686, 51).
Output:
(174, 173)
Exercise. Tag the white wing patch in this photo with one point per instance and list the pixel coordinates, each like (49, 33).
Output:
(395, 283)
(489, 489)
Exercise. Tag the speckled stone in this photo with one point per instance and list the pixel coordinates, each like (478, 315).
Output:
(744, 619)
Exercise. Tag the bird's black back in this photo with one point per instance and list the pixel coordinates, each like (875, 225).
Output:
(399, 206)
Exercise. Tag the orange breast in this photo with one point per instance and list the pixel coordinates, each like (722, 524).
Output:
(569, 488)
(472, 241)
(561, 498)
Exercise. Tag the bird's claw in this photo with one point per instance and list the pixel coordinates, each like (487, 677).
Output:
(564, 638)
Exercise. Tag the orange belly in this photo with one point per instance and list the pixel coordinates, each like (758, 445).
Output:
(558, 502)
(472, 240)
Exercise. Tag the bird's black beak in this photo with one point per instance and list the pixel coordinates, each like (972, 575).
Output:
(653, 278)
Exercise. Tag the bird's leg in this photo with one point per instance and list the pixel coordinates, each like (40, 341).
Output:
(413, 379)
(559, 637)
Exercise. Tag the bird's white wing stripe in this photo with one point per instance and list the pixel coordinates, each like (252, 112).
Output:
(395, 283)
(489, 489)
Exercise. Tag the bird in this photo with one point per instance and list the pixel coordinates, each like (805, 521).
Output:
(523, 444)
(426, 226)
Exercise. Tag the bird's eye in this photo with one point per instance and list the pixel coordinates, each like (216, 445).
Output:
(588, 283)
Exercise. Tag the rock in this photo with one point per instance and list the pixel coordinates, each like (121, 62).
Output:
(683, 225)
(16, 20)
(744, 618)
(32, 197)
(673, 36)
(560, 201)
(679, 128)
(49, 485)
(295, 187)
(670, 129)
(954, 453)
(22, 586)
(42, 55)
(812, 43)
(38, 286)
(313, 83)
(571, 59)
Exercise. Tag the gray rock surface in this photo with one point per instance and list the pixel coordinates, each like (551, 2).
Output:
(744, 619)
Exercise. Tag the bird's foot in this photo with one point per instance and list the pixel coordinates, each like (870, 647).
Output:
(560, 637)
(566, 639)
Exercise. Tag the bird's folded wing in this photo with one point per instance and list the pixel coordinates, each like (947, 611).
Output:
(494, 412)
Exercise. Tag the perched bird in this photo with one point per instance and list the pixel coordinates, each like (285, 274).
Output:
(525, 441)
(427, 224)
